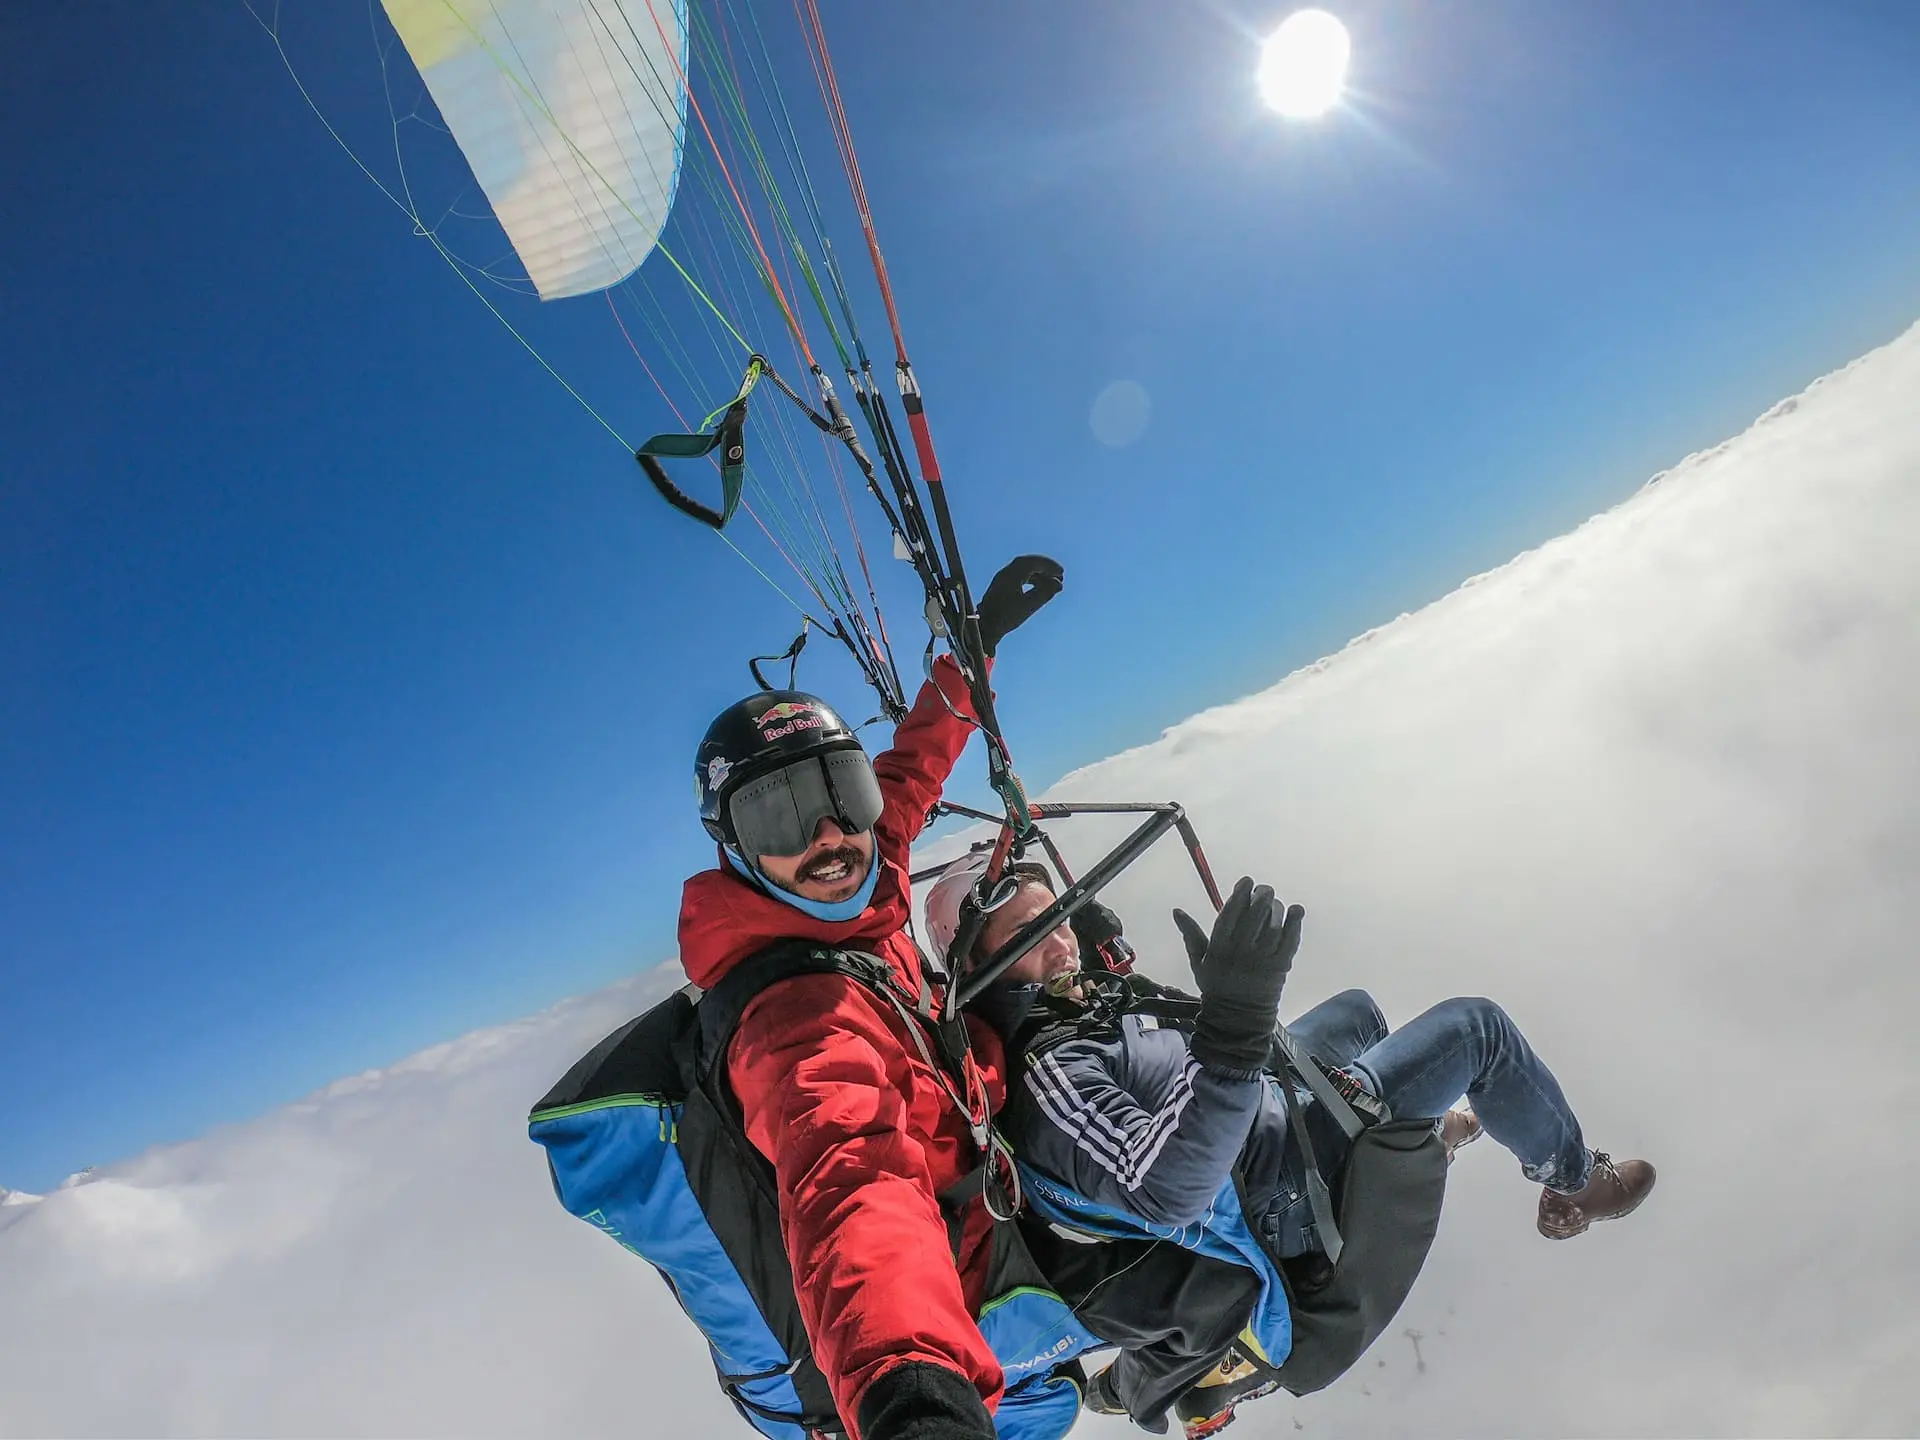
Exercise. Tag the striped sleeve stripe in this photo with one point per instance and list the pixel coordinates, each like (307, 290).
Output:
(1127, 1159)
(1134, 1156)
(1062, 1111)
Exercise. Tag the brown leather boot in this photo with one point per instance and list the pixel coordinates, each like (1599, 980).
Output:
(1613, 1190)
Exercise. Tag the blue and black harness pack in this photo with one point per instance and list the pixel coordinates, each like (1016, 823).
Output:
(645, 1142)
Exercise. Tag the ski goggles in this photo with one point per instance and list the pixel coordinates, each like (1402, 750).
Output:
(777, 813)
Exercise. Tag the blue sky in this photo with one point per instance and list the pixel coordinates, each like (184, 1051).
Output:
(352, 682)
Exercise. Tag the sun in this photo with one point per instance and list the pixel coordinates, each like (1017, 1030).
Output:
(1303, 65)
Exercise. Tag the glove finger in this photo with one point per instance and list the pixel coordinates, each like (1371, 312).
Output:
(1237, 901)
(1033, 568)
(1018, 573)
(1047, 577)
(1233, 914)
(1040, 578)
(1274, 949)
(1036, 595)
(1290, 932)
(1193, 937)
(1243, 927)
(1272, 913)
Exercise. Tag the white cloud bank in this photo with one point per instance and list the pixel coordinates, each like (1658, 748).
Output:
(1655, 786)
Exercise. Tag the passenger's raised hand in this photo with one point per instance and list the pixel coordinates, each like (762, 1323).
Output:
(1240, 970)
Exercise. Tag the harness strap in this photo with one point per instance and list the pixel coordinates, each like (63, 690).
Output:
(977, 1121)
(721, 1007)
(969, 1187)
(1315, 1077)
(720, 1010)
(1318, 1199)
(951, 1035)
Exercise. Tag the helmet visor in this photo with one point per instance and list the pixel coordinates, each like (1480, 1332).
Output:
(777, 813)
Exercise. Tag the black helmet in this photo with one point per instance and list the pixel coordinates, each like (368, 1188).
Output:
(774, 765)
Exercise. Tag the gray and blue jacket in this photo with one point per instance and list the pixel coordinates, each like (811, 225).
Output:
(1120, 1130)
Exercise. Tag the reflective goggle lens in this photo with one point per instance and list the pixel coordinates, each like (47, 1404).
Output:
(777, 813)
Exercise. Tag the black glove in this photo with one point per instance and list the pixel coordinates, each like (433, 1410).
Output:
(1094, 925)
(1098, 930)
(918, 1400)
(1024, 584)
(1240, 970)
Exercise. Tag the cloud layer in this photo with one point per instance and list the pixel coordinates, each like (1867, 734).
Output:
(1653, 786)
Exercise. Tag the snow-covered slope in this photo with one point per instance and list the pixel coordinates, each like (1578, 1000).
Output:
(1654, 786)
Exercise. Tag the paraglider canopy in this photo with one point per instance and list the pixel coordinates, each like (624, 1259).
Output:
(571, 122)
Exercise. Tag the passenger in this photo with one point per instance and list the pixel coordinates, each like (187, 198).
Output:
(1155, 1120)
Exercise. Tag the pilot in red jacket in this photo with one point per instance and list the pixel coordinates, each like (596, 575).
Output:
(862, 1132)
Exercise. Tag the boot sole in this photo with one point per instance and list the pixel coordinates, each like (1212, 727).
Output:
(1586, 1224)
(1199, 1426)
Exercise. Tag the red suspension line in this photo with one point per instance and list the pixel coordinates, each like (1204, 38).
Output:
(843, 135)
(816, 37)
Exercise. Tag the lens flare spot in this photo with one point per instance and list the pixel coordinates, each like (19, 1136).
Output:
(1120, 414)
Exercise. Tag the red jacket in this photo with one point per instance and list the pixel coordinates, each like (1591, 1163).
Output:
(859, 1130)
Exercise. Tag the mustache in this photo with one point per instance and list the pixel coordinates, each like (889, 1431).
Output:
(840, 854)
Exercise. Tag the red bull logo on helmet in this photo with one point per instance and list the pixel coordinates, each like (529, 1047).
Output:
(785, 710)
(786, 717)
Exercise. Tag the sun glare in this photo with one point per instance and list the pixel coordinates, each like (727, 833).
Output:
(1303, 65)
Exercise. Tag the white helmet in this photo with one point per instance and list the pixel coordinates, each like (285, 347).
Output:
(953, 895)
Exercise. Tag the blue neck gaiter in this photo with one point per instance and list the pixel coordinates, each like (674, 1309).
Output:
(836, 913)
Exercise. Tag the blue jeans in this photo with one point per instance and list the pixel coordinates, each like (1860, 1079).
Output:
(1459, 1047)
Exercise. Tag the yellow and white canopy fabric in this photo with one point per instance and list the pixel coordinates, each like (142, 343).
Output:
(571, 114)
